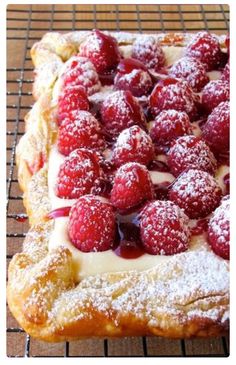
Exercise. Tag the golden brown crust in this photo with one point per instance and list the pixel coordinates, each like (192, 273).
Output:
(188, 297)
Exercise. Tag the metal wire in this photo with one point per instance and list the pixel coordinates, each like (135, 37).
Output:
(123, 21)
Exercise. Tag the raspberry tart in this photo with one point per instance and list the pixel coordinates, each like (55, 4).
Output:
(125, 172)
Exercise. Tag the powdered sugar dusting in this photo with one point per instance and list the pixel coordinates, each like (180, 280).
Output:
(148, 50)
(164, 228)
(191, 152)
(197, 192)
(80, 71)
(191, 70)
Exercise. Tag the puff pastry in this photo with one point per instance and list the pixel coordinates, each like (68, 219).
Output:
(185, 298)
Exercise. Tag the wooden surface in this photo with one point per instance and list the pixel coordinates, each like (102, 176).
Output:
(26, 24)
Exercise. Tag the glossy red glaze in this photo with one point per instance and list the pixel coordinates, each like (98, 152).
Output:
(21, 218)
(127, 65)
(128, 250)
(108, 47)
(107, 78)
(59, 212)
(200, 227)
(130, 246)
(156, 165)
(102, 187)
(161, 190)
(226, 180)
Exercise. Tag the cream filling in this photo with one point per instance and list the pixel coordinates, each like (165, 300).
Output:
(92, 263)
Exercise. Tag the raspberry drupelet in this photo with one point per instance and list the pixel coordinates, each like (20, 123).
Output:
(77, 174)
(132, 75)
(121, 110)
(219, 229)
(216, 129)
(133, 145)
(71, 98)
(191, 70)
(206, 48)
(214, 93)
(132, 186)
(102, 50)
(80, 71)
(80, 130)
(196, 192)
(190, 152)
(169, 125)
(164, 228)
(149, 51)
(173, 94)
(91, 224)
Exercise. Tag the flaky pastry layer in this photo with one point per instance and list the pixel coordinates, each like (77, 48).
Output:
(187, 297)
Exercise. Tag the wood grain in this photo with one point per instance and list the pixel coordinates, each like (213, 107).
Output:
(27, 24)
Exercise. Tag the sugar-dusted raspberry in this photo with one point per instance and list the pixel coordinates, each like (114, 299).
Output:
(168, 125)
(132, 186)
(102, 50)
(219, 230)
(173, 94)
(214, 93)
(225, 76)
(197, 192)
(191, 70)
(149, 51)
(190, 152)
(206, 48)
(77, 174)
(80, 130)
(80, 71)
(71, 98)
(133, 145)
(132, 75)
(216, 129)
(164, 228)
(121, 110)
(91, 224)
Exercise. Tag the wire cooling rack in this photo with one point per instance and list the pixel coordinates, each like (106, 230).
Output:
(25, 25)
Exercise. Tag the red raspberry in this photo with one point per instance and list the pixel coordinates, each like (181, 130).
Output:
(132, 75)
(197, 192)
(168, 125)
(80, 130)
(206, 48)
(226, 73)
(190, 152)
(219, 230)
(214, 93)
(102, 50)
(216, 129)
(132, 186)
(133, 145)
(80, 71)
(121, 110)
(71, 98)
(164, 228)
(173, 94)
(148, 51)
(91, 224)
(191, 70)
(77, 174)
